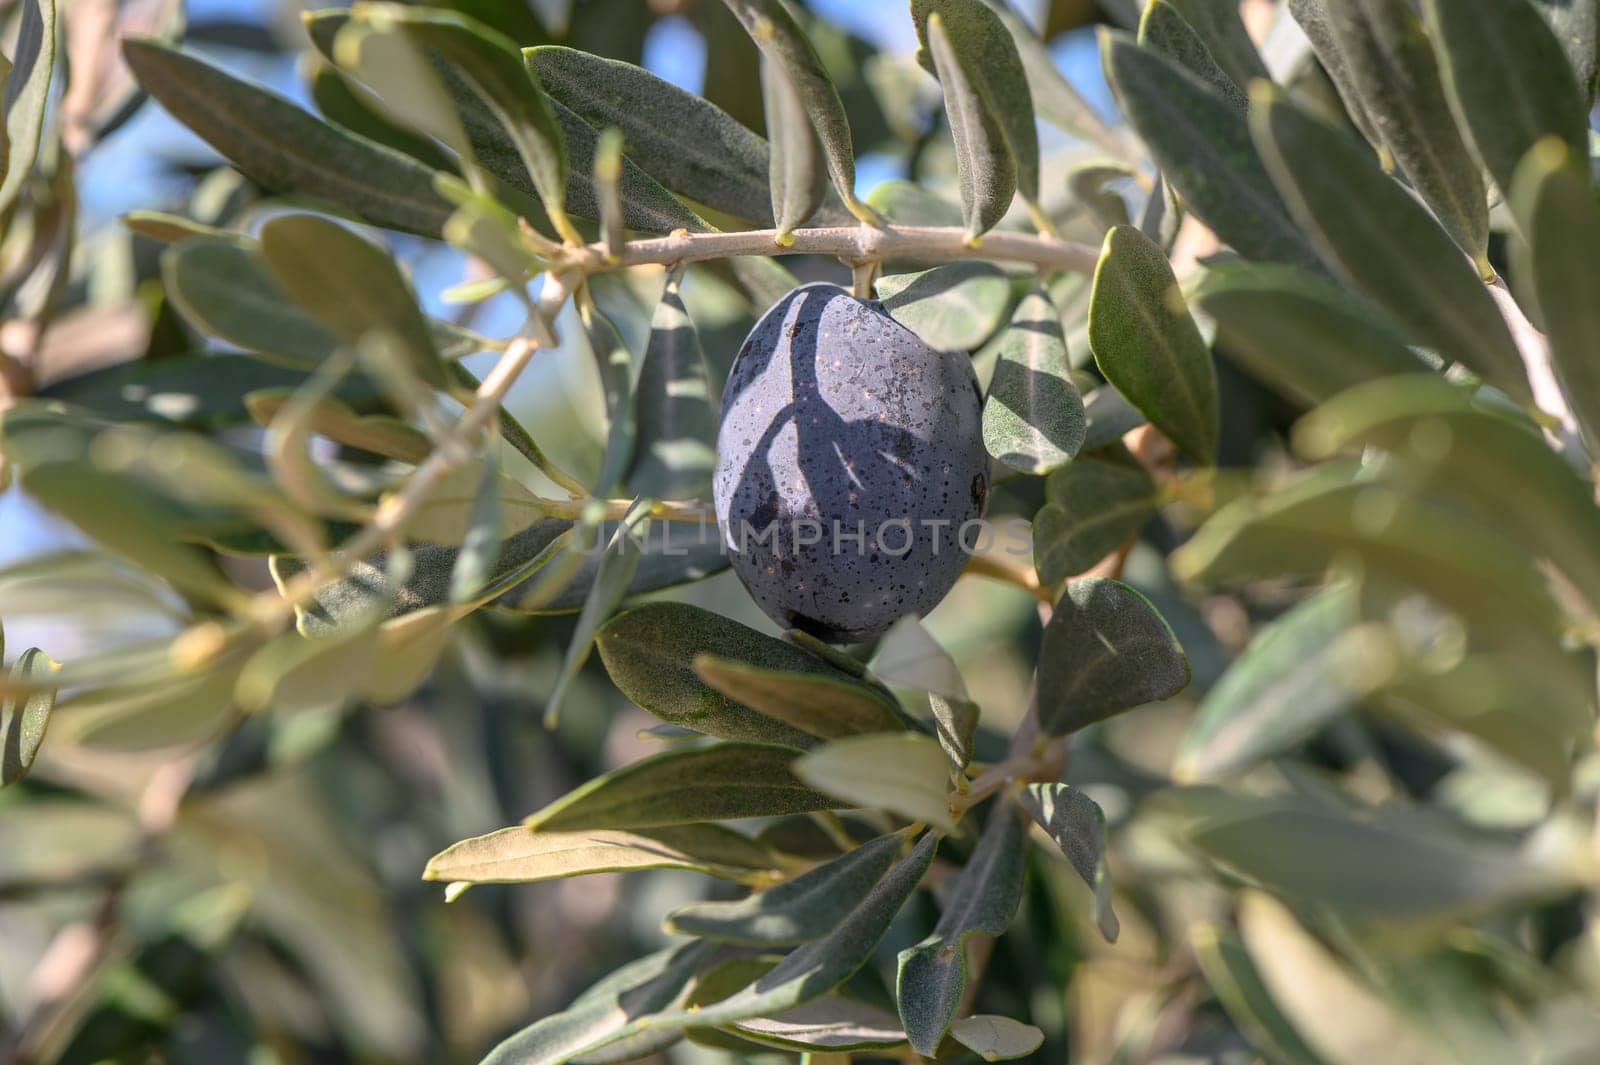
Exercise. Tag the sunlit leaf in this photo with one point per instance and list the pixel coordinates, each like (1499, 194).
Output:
(516, 855)
(1165, 30)
(25, 718)
(1033, 417)
(995, 1038)
(901, 772)
(955, 307)
(27, 92)
(286, 149)
(675, 418)
(985, 164)
(726, 781)
(797, 171)
(1147, 345)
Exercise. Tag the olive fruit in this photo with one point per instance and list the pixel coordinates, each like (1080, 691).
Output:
(849, 457)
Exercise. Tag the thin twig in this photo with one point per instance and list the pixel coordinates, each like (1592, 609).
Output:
(851, 243)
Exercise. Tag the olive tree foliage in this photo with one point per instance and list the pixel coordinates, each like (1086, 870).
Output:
(1293, 376)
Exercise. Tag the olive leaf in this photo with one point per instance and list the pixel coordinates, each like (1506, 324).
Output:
(1203, 147)
(652, 653)
(619, 561)
(991, 67)
(1295, 677)
(1508, 80)
(1221, 26)
(676, 423)
(1053, 95)
(1163, 29)
(516, 855)
(1553, 201)
(1093, 504)
(1239, 988)
(1147, 345)
(1106, 649)
(1078, 826)
(784, 43)
(27, 92)
(24, 719)
(797, 173)
(1384, 242)
(1033, 416)
(222, 286)
(607, 1011)
(954, 307)
(995, 1038)
(1393, 69)
(796, 911)
(286, 149)
(510, 88)
(905, 773)
(682, 140)
(982, 901)
(985, 165)
(1299, 332)
(351, 287)
(823, 964)
(717, 783)
(826, 707)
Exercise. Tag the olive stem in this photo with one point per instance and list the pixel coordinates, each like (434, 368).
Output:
(850, 243)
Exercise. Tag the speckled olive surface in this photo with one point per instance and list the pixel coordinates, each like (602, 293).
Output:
(837, 420)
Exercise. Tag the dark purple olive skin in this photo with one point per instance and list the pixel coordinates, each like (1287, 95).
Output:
(835, 412)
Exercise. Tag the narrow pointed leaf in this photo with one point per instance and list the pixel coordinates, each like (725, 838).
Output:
(508, 86)
(1576, 24)
(984, 163)
(1221, 27)
(826, 707)
(727, 781)
(223, 287)
(618, 564)
(675, 423)
(956, 722)
(782, 41)
(904, 773)
(349, 107)
(682, 140)
(1053, 95)
(996, 1038)
(651, 652)
(1238, 986)
(1312, 18)
(1554, 204)
(1163, 29)
(516, 855)
(818, 967)
(398, 80)
(27, 92)
(831, 1025)
(1033, 416)
(1203, 147)
(1294, 678)
(983, 900)
(480, 543)
(287, 150)
(1105, 650)
(1508, 79)
(1393, 66)
(24, 719)
(909, 656)
(608, 1011)
(1384, 242)
(350, 286)
(797, 172)
(1092, 506)
(796, 911)
(954, 307)
(1300, 333)
(990, 61)
(1078, 826)
(1147, 345)
(378, 433)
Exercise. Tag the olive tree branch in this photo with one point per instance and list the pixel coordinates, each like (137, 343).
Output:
(456, 447)
(854, 244)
